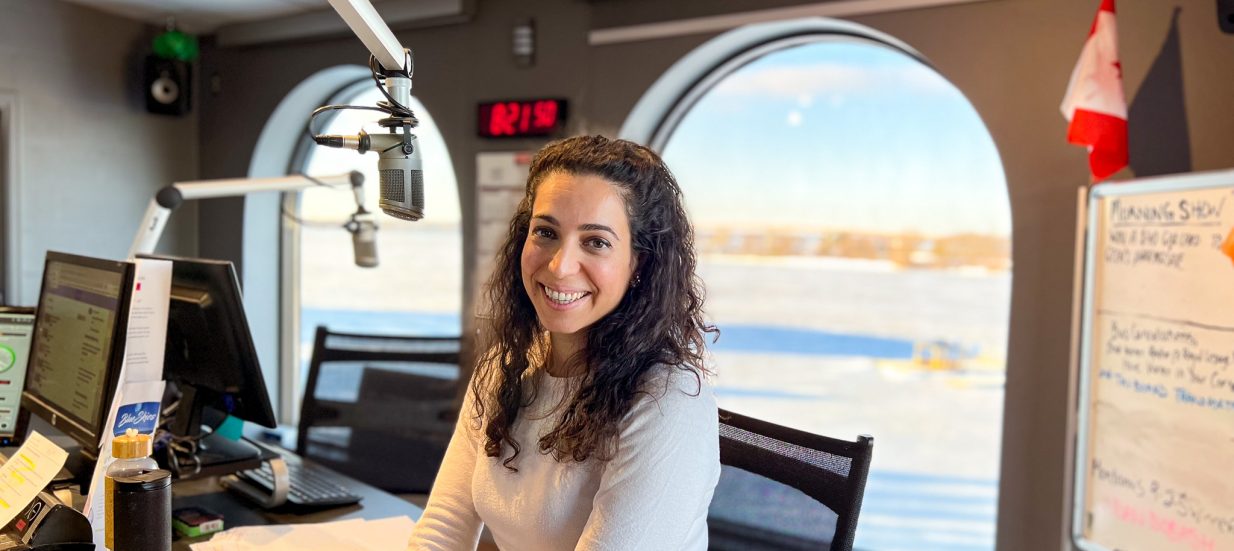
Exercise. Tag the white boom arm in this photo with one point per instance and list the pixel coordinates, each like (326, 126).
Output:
(372, 31)
(170, 197)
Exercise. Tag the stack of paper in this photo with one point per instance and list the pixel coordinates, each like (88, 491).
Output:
(343, 535)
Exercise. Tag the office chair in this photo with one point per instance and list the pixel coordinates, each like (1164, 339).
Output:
(380, 409)
(782, 488)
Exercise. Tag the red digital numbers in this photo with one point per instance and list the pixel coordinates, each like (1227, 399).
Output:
(501, 119)
(545, 114)
(521, 118)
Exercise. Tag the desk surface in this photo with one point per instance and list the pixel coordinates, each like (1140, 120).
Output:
(237, 511)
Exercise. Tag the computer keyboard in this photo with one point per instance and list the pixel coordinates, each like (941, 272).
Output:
(311, 486)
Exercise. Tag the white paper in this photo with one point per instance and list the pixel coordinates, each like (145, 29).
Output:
(147, 328)
(141, 373)
(344, 535)
(26, 473)
(391, 533)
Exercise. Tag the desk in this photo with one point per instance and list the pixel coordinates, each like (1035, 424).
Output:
(237, 511)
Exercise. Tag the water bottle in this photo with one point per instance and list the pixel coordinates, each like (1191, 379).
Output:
(138, 497)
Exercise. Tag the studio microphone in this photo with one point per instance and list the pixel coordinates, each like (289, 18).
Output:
(363, 238)
(362, 226)
(402, 180)
(398, 167)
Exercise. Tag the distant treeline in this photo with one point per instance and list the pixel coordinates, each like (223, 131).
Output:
(908, 250)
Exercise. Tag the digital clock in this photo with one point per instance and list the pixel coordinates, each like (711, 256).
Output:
(519, 118)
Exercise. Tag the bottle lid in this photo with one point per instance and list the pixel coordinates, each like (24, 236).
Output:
(142, 482)
(131, 445)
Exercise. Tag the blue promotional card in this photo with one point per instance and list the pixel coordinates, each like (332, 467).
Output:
(143, 416)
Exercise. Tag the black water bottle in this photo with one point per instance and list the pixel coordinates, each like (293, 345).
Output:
(142, 506)
(138, 496)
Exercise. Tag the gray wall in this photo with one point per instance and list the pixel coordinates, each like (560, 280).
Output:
(1012, 58)
(88, 155)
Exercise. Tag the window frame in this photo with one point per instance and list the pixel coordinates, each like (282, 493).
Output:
(289, 259)
(658, 112)
(290, 252)
(260, 255)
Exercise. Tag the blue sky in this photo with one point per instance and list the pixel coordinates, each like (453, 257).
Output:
(830, 135)
(840, 135)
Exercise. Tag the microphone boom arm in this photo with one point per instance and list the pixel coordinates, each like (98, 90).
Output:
(170, 198)
(364, 20)
(399, 165)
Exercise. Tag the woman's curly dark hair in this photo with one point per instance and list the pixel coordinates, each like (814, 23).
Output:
(659, 321)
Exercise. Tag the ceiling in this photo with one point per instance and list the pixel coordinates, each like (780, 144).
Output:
(203, 17)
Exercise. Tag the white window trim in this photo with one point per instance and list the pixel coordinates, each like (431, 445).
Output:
(263, 266)
(289, 314)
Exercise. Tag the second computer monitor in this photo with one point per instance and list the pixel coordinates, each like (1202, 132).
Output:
(210, 354)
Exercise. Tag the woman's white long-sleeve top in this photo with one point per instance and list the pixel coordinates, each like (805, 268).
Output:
(653, 494)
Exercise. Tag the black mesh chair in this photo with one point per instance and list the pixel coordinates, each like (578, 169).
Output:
(782, 488)
(369, 398)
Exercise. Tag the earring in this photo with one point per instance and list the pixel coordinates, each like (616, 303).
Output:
(637, 279)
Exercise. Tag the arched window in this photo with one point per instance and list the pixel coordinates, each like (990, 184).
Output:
(854, 237)
(417, 286)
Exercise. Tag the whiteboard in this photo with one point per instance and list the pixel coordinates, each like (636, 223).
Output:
(1155, 434)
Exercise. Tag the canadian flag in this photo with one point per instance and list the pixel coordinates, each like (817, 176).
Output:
(1094, 103)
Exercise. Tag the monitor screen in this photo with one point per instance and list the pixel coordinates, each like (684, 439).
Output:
(210, 353)
(78, 343)
(16, 329)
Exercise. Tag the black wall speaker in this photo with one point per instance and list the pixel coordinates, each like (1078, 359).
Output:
(168, 83)
(1225, 15)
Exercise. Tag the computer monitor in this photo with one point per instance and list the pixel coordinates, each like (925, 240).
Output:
(16, 330)
(210, 357)
(78, 346)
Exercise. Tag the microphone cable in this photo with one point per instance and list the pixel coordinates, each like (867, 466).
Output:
(400, 116)
(398, 112)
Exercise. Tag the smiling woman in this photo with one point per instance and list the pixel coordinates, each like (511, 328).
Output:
(590, 422)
